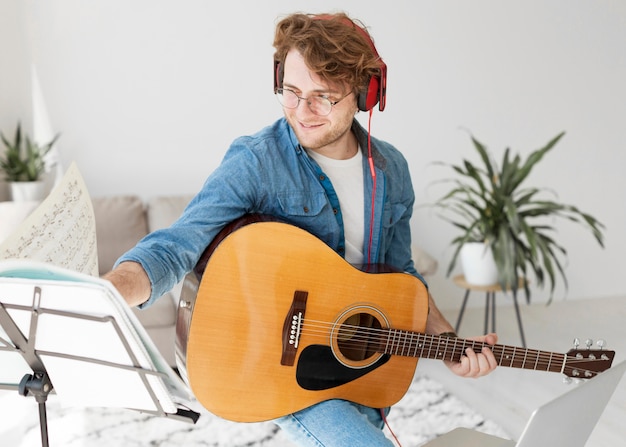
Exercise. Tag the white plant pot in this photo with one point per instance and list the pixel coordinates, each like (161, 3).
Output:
(28, 191)
(478, 264)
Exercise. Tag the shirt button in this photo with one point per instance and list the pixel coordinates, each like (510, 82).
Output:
(322, 177)
(335, 210)
(305, 209)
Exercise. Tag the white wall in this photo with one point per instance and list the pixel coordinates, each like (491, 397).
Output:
(148, 94)
(14, 74)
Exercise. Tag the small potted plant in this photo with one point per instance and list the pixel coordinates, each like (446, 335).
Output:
(492, 206)
(23, 165)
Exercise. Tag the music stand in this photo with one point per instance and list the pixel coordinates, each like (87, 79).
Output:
(76, 334)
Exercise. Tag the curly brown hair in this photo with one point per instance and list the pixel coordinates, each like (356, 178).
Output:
(331, 46)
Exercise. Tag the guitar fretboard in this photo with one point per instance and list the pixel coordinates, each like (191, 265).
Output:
(412, 344)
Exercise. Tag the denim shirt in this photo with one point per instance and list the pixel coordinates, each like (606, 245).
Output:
(270, 173)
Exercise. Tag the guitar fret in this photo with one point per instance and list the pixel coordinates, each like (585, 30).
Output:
(432, 351)
(457, 357)
(442, 355)
(386, 349)
(453, 355)
(528, 358)
(558, 365)
(437, 346)
(437, 354)
(558, 362)
(549, 361)
(421, 346)
(536, 360)
(430, 346)
(505, 356)
(413, 345)
(399, 344)
(537, 356)
(462, 349)
(448, 339)
(407, 344)
(393, 342)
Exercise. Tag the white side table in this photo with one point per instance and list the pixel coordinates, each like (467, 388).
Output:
(12, 214)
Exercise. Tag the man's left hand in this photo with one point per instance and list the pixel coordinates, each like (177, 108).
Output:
(476, 364)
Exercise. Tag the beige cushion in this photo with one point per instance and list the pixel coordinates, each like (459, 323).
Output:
(425, 264)
(160, 314)
(164, 210)
(120, 224)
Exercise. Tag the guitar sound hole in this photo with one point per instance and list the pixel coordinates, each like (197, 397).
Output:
(359, 337)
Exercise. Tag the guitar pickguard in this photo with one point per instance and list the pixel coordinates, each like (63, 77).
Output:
(318, 369)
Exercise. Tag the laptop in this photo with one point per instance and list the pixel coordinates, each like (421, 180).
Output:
(566, 421)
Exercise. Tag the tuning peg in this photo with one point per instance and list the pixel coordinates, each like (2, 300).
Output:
(601, 343)
(576, 343)
(589, 343)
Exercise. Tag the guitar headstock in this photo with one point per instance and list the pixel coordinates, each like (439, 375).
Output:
(587, 363)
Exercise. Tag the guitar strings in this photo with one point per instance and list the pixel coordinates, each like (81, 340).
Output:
(408, 343)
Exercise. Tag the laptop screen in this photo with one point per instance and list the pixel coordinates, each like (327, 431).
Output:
(569, 419)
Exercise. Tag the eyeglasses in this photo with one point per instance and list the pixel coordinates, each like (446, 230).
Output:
(318, 104)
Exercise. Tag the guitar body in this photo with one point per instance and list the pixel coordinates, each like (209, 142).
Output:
(239, 352)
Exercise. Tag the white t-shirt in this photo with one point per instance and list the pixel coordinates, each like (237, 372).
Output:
(347, 179)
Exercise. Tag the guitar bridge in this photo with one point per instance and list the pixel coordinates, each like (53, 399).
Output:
(292, 327)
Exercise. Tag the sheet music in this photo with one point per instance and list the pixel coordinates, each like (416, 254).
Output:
(61, 231)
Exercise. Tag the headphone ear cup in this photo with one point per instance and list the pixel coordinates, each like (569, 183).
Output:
(278, 75)
(368, 99)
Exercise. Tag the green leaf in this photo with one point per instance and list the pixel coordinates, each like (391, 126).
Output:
(487, 203)
(23, 158)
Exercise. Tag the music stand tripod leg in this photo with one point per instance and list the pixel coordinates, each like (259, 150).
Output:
(38, 384)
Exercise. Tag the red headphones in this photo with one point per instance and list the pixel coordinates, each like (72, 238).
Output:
(376, 92)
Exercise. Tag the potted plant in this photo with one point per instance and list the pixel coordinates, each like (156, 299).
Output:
(23, 165)
(491, 205)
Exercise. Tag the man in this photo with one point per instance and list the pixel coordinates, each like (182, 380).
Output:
(318, 169)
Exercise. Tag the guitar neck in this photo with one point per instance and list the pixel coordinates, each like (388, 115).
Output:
(414, 344)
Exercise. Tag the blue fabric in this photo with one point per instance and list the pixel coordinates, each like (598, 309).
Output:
(336, 423)
(270, 173)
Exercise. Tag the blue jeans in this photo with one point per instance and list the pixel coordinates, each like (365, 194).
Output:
(336, 423)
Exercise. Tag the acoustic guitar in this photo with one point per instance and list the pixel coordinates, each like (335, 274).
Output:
(272, 321)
